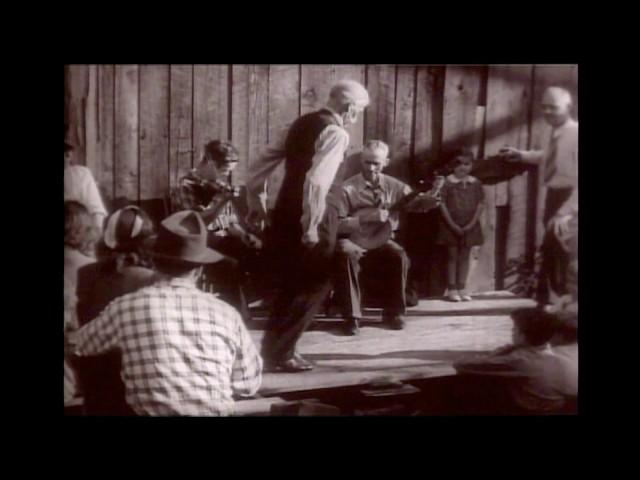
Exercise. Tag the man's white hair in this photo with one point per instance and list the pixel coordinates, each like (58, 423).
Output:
(560, 94)
(349, 91)
(376, 147)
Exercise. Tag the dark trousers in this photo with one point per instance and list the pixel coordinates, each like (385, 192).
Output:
(555, 260)
(306, 282)
(228, 277)
(389, 262)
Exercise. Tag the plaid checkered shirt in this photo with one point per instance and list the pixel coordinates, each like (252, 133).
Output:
(184, 352)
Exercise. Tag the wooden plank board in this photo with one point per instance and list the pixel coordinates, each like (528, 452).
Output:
(92, 159)
(315, 84)
(508, 103)
(284, 108)
(249, 120)
(154, 138)
(428, 117)
(78, 86)
(180, 122)
(211, 110)
(126, 135)
(106, 133)
(545, 76)
(381, 84)
(403, 120)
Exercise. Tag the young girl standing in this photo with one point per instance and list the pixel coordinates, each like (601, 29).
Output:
(459, 227)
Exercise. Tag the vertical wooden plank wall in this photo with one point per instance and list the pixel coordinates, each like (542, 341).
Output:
(284, 108)
(139, 127)
(126, 133)
(508, 102)
(249, 127)
(154, 137)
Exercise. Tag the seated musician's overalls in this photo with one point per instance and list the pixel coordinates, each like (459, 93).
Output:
(368, 221)
(207, 189)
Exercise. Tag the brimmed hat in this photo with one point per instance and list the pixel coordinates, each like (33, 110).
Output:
(183, 237)
(126, 227)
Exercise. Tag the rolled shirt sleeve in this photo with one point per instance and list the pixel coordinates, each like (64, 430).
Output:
(330, 148)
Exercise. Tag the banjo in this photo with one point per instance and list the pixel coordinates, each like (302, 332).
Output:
(372, 235)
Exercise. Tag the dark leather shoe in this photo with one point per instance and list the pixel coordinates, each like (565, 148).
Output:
(395, 322)
(294, 365)
(352, 326)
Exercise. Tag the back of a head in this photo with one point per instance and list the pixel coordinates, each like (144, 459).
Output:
(347, 92)
(536, 326)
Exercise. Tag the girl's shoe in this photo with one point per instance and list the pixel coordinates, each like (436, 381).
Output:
(453, 296)
(464, 296)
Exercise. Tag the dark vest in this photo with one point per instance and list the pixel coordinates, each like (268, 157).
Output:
(299, 149)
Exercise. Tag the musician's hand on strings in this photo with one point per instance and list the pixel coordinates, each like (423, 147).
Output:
(511, 154)
(347, 247)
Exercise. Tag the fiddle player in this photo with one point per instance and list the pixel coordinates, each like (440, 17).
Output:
(207, 189)
(366, 198)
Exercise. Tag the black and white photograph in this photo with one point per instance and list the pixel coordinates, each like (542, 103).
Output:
(336, 240)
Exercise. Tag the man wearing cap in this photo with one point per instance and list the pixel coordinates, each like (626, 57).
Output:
(558, 164)
(303, 227)
(80, 186)
(207, 189)
(184, 352)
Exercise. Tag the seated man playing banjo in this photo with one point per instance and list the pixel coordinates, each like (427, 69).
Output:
(369, 217)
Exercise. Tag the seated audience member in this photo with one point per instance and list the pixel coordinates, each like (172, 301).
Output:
(184, 352)
(366, 199)
(80, 186)
(536, 380)
(80, 236)
(127, 268)
(207, 189)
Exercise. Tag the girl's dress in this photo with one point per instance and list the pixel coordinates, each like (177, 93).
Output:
(461, 197)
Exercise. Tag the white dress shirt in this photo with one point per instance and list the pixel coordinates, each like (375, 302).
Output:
(80, 186)
(330, 148)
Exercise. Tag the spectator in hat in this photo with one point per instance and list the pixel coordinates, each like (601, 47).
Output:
(80, 186)
(207, 189)
(127, 268)
(184, 352)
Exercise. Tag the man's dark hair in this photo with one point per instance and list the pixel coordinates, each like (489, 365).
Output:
(536, 326)
(566, 328)
(173, 268)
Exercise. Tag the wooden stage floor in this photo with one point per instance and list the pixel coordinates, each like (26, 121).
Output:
(437, 333)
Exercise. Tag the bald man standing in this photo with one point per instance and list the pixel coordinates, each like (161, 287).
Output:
(558, 164)
(303, 229)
